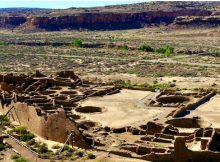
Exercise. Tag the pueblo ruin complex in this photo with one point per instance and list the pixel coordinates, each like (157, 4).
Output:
(149, 125)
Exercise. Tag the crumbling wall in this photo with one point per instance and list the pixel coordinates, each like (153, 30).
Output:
(183, 154)
(194, 122)
(183, 108)
(54, 126)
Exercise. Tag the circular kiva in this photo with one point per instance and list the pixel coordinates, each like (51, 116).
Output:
(173, 99)
(89, 109)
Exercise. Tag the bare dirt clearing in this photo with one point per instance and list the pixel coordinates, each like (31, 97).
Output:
(122, 109)
(210, 111)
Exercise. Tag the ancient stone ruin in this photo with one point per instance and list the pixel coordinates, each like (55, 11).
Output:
(43, 104)
(149, 125)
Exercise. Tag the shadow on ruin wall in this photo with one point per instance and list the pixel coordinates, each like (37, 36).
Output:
(183, 154)
(54, 126)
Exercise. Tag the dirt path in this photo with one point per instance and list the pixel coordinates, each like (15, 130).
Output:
(24, 152)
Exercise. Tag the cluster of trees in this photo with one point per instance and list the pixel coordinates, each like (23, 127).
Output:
(166, 50)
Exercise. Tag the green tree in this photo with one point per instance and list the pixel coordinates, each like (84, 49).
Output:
(146, 48)
(77, 43)
(166, 50)
(2, 43)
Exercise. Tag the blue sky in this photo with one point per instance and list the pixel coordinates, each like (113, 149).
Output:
(62, 4)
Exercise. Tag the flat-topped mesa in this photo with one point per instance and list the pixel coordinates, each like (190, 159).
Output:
(114, 20)
(98, 20)
(197, 21)
(12, 21)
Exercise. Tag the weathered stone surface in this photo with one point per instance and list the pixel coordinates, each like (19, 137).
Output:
(119, 130)
(12, 21)
(98, 20)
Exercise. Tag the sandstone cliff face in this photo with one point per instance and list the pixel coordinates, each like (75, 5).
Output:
(110, 20)
(99, 20)
(11, 21)
(196, 21)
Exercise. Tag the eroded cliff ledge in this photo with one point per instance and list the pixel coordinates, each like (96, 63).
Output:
(98, 20)
(12, 21)
(197, 21)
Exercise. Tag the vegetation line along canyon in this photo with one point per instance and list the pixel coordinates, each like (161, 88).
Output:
(121, 83)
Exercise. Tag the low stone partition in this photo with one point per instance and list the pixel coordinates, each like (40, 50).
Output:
(166, 136)
(159, 157)
(65, 103)
(142, 150)
(152, 128)
(11, 79)
(183, 108)
(173, 99)
(182, 154)
(195, 122)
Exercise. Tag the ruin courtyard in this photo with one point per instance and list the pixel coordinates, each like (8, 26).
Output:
(144, 124)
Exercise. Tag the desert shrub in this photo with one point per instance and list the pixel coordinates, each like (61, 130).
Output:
(145, 85)
(20, 159)
(166, 50)
(42, 148)
(67, 148)
(52, 160)
(90, 155)
(67, 153)
(2, 43)
(24, 134)
(17, 158)
(161, 50)
(4, 120)
(2, 147)
(33, 149)
(56, 146)
(79, 153)
(26, 137)
(13, 157)
(216, 53)
(31, 142)
(146, 48)
(124, 47)
(18, 130)
(77, 42)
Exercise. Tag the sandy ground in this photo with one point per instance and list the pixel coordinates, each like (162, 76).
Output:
(180, 82)
(196, 146)
(49, 143)
(122, 109)
(209, 111)
(6, 155)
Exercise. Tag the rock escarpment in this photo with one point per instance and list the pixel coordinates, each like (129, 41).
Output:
(98, 20)
(197, 21)
(12, 21)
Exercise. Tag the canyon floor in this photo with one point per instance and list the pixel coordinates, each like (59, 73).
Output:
(103, 56)
(154, 87)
